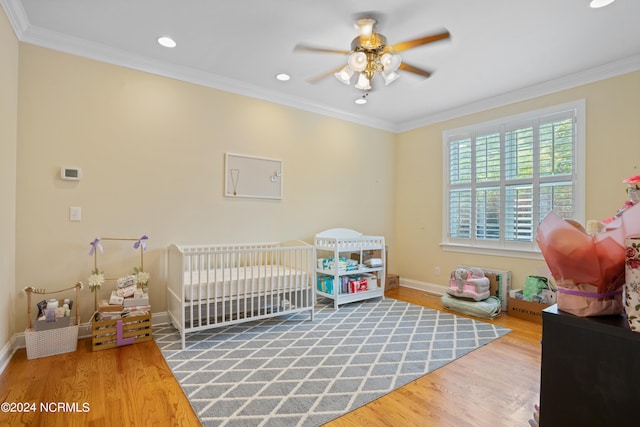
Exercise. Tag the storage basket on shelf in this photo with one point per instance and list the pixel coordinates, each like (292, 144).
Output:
(52, 341)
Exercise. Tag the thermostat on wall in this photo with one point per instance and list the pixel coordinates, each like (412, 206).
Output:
(71, 174)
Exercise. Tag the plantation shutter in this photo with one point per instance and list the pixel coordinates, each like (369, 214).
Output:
(504, 180)
(460, 180)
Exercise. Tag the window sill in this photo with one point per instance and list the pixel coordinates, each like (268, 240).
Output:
(494, 251)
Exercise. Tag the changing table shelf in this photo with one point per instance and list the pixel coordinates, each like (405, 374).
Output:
(342, 271)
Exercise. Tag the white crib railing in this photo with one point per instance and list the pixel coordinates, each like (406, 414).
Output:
(215, 285)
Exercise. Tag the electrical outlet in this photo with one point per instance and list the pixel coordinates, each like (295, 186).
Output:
(436, 271)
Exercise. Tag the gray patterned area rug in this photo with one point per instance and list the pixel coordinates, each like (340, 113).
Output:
(291, 371)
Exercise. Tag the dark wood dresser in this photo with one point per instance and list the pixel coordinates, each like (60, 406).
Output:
(590, 372)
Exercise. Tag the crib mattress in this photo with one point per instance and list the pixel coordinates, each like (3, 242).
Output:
(230, 283)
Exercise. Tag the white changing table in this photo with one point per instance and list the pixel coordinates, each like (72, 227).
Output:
(349, 244)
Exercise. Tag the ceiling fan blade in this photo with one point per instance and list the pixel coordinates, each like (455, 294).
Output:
(324, 75)
(308, 48)
(410, 68)
(410, 44)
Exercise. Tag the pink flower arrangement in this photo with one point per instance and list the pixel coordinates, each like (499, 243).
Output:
(633, 182)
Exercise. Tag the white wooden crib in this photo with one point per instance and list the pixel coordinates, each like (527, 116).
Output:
(217, 285)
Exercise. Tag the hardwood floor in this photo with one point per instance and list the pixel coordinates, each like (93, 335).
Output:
(495, 385)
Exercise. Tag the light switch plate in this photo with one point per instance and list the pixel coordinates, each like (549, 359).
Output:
(75, 213)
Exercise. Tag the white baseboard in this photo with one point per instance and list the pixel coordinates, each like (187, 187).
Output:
(431, 288)
(18, 341)
(7, 352)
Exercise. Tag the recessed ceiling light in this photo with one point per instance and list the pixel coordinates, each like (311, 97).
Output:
(166, 41)
(595, 4)
(283, 77)
(362, 100)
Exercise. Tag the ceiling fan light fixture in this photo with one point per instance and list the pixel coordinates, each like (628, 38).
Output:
(390, 62)
(345, 75)
(357, 61)
(389, 77)
(363, 82)
(370, 55)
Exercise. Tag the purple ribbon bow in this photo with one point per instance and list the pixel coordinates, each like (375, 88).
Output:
(95, 244)
(141, 242)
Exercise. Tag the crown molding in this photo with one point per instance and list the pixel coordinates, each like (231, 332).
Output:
(42, 37)
(38, 36)
(602, 72)
(79, 47)
(16, 15)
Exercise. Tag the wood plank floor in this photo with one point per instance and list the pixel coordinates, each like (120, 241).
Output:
(496, 385)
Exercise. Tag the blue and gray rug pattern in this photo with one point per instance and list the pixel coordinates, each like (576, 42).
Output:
(291, 371)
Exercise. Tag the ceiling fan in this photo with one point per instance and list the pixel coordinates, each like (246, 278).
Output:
(370, 55)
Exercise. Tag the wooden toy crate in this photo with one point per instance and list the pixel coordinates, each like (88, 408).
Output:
(112, 333)
(53, 341)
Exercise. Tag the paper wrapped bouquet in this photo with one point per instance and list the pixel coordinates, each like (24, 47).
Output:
(588, 269)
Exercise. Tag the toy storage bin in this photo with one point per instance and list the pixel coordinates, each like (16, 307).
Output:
(53, 341)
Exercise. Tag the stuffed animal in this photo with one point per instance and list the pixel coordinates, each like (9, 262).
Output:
(469, 283)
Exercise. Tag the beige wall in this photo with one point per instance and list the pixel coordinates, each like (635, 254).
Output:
(612, 154)
(8, 141)
(152, 154)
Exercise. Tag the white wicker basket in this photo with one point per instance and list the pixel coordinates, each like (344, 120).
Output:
(53, 341)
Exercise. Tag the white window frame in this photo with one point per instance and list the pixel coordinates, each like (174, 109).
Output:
(500, 247)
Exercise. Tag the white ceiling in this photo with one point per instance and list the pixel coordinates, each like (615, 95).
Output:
(500, 51)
